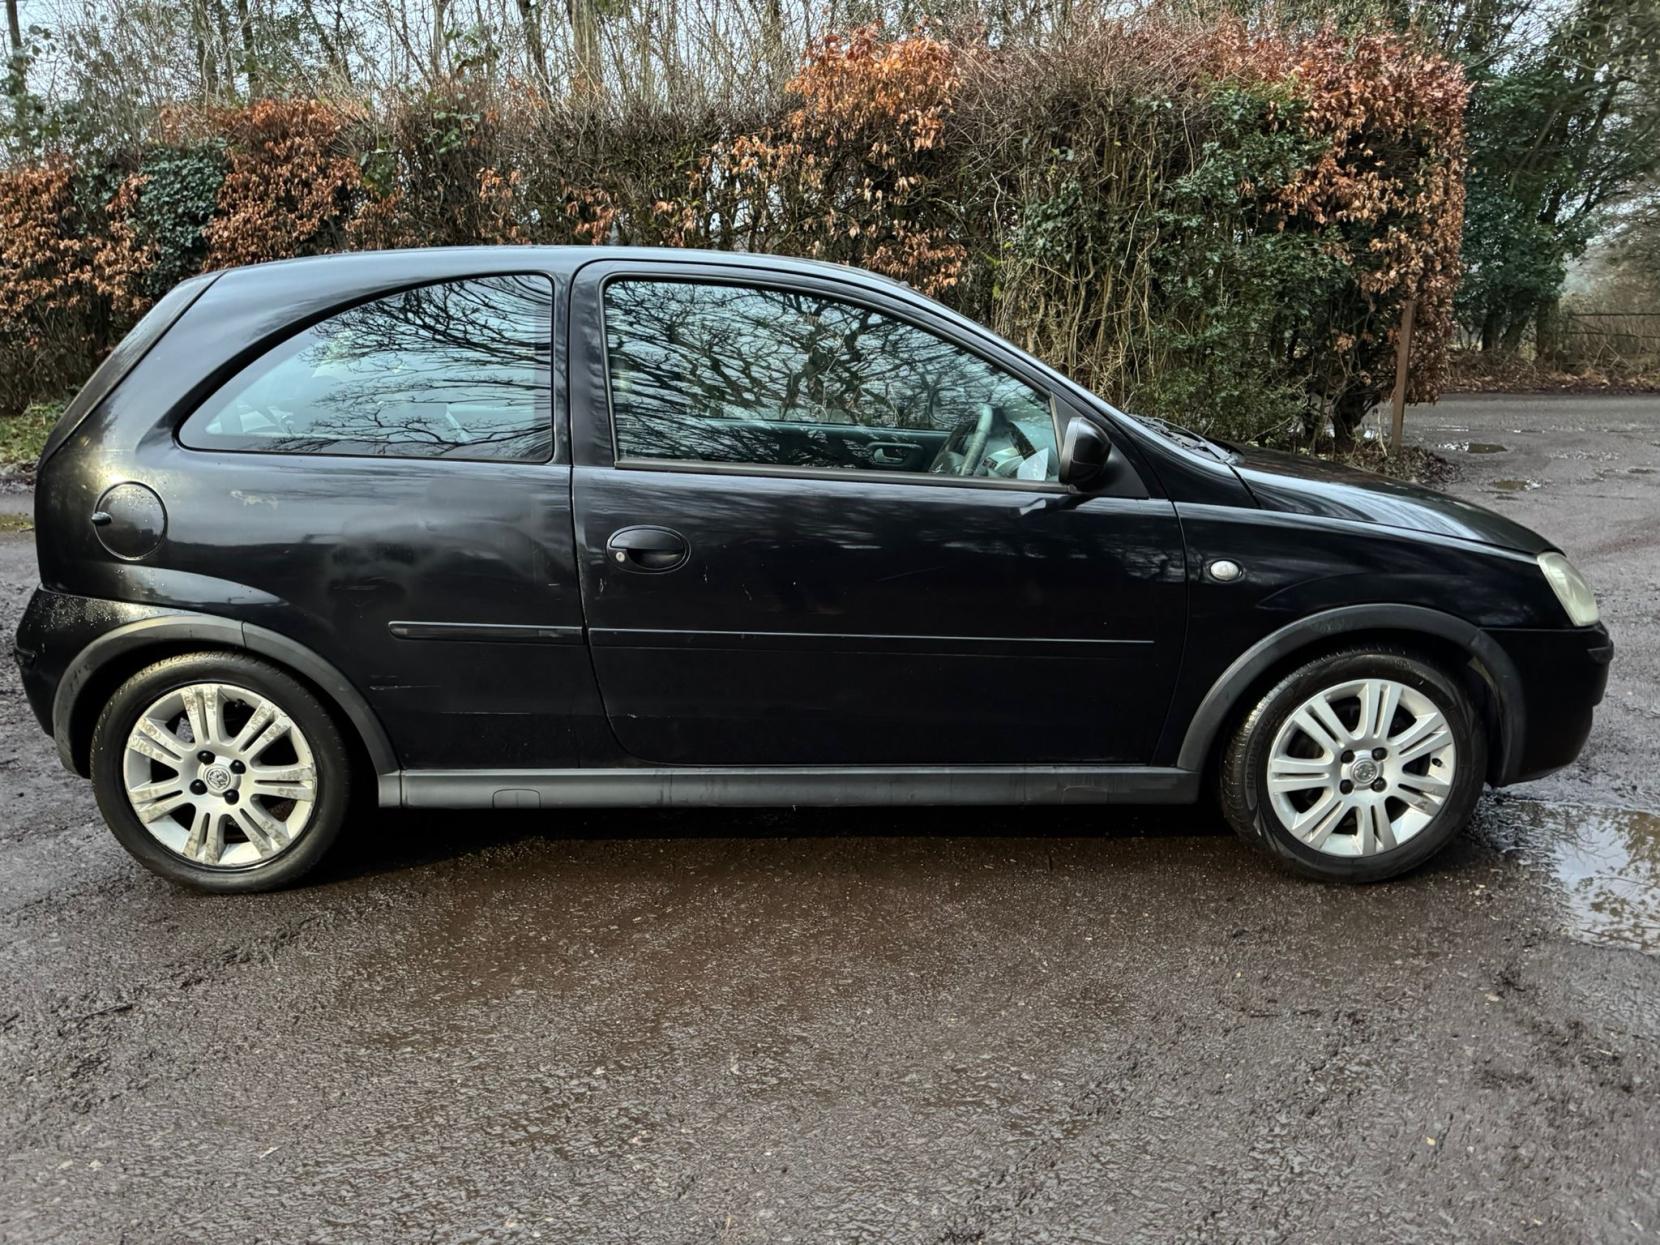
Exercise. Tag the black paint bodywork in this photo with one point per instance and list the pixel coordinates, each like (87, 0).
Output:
(492, 639)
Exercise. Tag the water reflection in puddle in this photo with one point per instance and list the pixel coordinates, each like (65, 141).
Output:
(1475, 447)
(1606, 860)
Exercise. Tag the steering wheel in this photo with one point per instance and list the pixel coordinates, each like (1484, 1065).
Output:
(974, 449)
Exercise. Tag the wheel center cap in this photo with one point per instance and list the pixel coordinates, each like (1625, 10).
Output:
(217, 779)
(1365, 771)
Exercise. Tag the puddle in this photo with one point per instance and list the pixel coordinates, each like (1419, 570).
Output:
(1514, 486)
(1474, 447)
(1640, 471)
(1605, 860)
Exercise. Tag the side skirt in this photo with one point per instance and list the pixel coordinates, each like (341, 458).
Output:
(782, 786)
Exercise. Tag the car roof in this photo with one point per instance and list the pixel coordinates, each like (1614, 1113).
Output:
(427, 262)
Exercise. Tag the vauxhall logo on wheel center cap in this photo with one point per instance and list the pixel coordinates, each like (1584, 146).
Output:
(1365, 770)
(216, 778)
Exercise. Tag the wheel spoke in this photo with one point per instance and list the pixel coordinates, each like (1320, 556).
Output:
(1385, 703)
(265, 832)
(1424, 792)
(1375, 831)
(274, 730)
(153, 740)
(262, 715)
(282, 782)
(1425, 746)
(206, 713)
(1321, 708)
(1323, 816)
(207, 837)
(160, 803)
(1429, 784)
(1422, 726)
(1298, 773)
(1316, 731)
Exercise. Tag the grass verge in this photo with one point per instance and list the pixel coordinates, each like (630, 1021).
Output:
(21, 437)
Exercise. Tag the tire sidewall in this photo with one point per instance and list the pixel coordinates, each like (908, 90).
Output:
(1291, 692)
(329, 758)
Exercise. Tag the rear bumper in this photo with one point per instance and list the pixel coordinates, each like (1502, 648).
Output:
(55, 629)
(1562, 675)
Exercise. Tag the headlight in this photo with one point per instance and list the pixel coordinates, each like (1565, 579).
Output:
(1570, 588)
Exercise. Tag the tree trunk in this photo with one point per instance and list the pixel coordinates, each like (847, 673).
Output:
(586, 75)
(14, 75)
(1347, 412)
(772, 37)
(1547, 341)
(435, 51)
(644, 56)
(530, 17)
(1491, 324)
(250, 66)
(201, 32)
(1511, 342)
(224, 54)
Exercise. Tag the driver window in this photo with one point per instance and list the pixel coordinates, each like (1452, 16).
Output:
(457, 370)
(787, 378)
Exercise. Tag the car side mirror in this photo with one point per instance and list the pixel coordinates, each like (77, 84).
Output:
(1085, 451)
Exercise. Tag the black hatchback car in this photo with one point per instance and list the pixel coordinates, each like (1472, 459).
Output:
(526, 528)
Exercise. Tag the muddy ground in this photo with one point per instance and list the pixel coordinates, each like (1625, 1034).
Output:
(1001, 1025)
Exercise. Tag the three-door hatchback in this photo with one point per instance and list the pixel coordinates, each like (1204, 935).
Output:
(521, 528)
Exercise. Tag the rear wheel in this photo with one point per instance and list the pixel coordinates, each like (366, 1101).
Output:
(1357, 766)
(221, 772)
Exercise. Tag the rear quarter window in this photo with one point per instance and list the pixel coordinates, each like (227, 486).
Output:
(456, 369)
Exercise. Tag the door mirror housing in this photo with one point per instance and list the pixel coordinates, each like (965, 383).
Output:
(1085, 452)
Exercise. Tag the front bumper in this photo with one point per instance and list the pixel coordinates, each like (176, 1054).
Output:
(1563, 673)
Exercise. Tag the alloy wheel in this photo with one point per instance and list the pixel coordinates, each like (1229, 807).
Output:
(220, 775)
(1361, 767)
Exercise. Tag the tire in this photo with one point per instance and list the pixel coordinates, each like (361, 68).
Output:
(1340, 834)
(257, 814)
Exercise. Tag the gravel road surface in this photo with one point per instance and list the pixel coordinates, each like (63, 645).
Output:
(965, 1026)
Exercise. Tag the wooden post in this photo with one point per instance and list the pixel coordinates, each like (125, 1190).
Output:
(1403, 353)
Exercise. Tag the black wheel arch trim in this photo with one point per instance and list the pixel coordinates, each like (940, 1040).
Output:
(1491, 661)
(208, 629)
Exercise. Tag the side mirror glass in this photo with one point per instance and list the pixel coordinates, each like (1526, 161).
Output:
(1084, 452)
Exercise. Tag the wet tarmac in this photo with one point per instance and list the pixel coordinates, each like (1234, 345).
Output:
(948, 1027)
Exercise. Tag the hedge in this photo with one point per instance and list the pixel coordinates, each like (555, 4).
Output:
(1204, 222)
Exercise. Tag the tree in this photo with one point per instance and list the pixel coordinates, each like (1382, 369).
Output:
(1558, 130)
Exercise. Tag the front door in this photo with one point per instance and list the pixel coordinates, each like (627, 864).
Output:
(826, 529)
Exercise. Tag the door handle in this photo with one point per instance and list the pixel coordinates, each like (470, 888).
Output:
(648, 549)
(891, 453)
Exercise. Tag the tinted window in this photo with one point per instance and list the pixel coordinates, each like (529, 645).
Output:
(736, 374)
(459, 370)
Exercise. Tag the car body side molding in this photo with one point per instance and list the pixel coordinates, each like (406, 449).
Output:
(209, 629)
(1491, 661)
(777, 786)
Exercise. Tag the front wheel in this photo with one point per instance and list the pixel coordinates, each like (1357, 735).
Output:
(220, 772)
(1357, 766)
